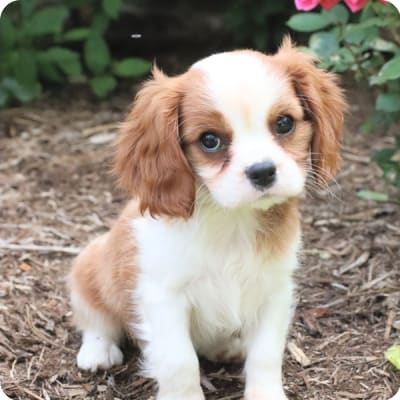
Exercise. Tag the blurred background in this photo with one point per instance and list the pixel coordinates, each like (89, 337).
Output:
(69, 71)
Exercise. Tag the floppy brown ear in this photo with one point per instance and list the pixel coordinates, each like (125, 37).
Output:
(149, 159)
(324, 105)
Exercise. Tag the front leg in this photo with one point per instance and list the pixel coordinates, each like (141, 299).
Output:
(169, 354)
(266, 344)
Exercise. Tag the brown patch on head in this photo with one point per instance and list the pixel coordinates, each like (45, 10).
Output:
(323, 103)
(197, 116)
(296, 143)
(149, 159)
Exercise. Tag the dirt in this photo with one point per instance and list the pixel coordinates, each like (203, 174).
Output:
(56, 193)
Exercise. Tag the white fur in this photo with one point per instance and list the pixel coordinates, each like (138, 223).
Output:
(244, 99)
(99, 349)
(98, 352)
(203, 285)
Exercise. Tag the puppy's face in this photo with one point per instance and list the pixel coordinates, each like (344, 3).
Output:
(244, 131)
(241, 124)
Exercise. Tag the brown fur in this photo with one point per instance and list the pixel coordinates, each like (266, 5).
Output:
(104, 274)
(324, 106)
(198, 116)
(297, 143)
(149, 156)
(279, 226)
(153, 160)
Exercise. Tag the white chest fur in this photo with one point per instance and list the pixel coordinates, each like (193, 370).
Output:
(212, 264)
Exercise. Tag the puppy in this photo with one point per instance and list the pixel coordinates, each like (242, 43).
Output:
(201, 260)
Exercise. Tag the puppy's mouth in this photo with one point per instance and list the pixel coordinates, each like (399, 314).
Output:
(267, 200)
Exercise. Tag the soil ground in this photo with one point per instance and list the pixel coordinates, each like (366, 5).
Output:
(56, 192)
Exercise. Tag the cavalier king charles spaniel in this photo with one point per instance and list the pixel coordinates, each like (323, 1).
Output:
(200, 261)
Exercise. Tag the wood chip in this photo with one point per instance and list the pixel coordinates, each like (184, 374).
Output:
(24, 267)
(360, 261)
(298, 354)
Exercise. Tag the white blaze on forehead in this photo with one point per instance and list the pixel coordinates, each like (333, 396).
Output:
(243, 87)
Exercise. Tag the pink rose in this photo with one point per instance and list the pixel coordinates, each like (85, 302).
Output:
(328, 4)
(306, 5)
(356, 5)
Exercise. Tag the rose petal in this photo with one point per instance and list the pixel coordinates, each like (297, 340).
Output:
(328, 4)
(356, 5)
(306, 5)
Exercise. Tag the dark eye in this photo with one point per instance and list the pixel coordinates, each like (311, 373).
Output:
(284, 125)
(210, 142)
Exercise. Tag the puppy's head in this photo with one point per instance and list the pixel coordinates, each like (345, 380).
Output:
(242, 124)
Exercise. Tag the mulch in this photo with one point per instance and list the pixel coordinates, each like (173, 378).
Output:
(56, 193)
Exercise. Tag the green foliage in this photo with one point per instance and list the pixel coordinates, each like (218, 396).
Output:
(103, 85)
(375, 196)
(257, 23)
(49, 20)
(40, 47)
(96, 53)
(368, 47)
(389, 161)
(130, 67)
(308, 22)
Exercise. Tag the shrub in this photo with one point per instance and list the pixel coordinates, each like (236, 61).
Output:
(368, 45)
(41, 46)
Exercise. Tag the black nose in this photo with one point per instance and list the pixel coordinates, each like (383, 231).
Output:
(262, 174)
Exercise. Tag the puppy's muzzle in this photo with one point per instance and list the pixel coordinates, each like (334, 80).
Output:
(262, 175)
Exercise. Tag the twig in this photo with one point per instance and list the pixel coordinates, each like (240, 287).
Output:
(389, 323)
(41, 249)
(112, 126)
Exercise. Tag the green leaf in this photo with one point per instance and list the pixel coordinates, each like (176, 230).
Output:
(49, 20)
(129, 67)
(76, 35)
(391, 70)
(383, 155)
(49, 72)
(308, 22)
(370, 195)
(112, 8)
(27, 7)
(343, 60)
(7, 32)
(356, 33)
(67, 61)
(367, 13)
(382, 45)
(376, 21)
(96, 54)
(23, 93)
(389, 102)
(337, 15)
(25, 71)
(325, 44)
(103, 85)
(393, 355)
(100, 23)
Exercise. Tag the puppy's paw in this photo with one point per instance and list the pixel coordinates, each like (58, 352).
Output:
(258, 393)
(98, 353)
